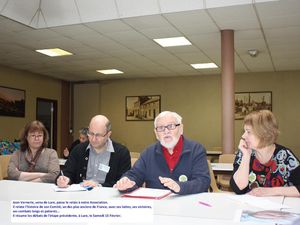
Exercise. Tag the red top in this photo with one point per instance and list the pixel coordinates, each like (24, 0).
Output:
(173, 159)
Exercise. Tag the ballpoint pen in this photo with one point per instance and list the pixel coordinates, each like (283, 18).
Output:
(204, 203)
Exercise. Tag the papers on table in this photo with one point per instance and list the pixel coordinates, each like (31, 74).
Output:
(149, 193)
(222, 166)
(268, 216)
(258, 202)
(73, 187)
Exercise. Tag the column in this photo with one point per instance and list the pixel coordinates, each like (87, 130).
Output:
(227, 78)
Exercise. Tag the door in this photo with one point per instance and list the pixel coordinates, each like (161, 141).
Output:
(46, 112)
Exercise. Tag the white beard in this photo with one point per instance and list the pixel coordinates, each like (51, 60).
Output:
(169, 144)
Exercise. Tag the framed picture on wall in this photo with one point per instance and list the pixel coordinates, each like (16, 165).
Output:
(12, 102)
(142, 108)
(247, 102)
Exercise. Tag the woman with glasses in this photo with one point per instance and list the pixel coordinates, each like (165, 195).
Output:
(174, 162)
(34, 161)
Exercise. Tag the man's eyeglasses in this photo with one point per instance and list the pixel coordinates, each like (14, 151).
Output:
(169, 127)
(97, 135)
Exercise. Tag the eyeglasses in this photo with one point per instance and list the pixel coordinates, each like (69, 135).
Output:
(97, 135)
(169, 127)
(34, 136)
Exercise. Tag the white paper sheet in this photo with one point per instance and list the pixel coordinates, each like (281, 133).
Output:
(259, 202)
(71, 188)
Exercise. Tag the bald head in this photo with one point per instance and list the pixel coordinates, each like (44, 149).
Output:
(99, 132)
(101, 122)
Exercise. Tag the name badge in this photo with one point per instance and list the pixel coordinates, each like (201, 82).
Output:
(103, 168)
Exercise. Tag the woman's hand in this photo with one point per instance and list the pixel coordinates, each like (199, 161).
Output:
(245, 148)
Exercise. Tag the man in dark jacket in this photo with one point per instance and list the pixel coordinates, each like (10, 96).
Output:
(174, 162)
(100, 161)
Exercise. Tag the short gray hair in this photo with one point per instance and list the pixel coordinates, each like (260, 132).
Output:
(84, 131)
(108, 126)
(165, 113)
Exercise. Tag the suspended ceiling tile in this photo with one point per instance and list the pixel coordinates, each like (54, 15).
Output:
(141, 8)
(283, 32)
(179, 5)
(260, 63)
(278, 8)
(111, 26)
(73, 31)
(224, 3)
(21, 11)
(204, 41)
(165, 32)
(237, 17)
(248, 34)
(124, 36)
(58, 12)
(193, 22)
(8, 25)
(147, 22)
(287, 64)
(192, 58)
(244, 45)
(95, 10)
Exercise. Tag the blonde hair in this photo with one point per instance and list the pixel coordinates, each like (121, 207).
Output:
(264, 126)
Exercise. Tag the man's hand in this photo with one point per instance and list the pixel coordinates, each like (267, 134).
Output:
(124, 184)
(89, 183)
(63, 181)
(169, 183)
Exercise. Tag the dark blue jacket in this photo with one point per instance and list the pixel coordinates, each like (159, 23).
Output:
(192, 163)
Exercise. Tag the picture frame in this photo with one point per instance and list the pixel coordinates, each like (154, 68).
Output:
(142, 108)
(12, 102)
(247, 102)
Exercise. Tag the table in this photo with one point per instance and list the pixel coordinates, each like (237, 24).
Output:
(213, 155)
(222, 168)
(174, 209)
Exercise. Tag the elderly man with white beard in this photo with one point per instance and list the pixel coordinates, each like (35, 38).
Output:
(173, 162)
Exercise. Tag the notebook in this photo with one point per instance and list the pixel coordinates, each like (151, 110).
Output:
(149, 193)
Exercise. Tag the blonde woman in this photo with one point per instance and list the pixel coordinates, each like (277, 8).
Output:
(262, 167)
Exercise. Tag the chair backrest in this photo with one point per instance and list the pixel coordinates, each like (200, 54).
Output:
(133, 160)
(134, 157)
(213, 182)
(226, 158)
(4, 160)
(223, 180)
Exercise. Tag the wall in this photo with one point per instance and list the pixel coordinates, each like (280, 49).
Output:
(87, 101)
(35, 86)
(198, 100)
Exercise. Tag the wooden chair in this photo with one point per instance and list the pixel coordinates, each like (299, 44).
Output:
(133, 160)
(4, 160)
(223, 180)
(134, 154)
(213, 183)
(134, 157)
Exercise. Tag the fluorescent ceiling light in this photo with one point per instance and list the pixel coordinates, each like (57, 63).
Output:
(170, 42)
(204, 65)
(111, 71)
(52, 52)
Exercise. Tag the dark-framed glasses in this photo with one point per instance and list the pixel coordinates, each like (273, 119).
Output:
(35, 136)
(96, 135)
(171, 126)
